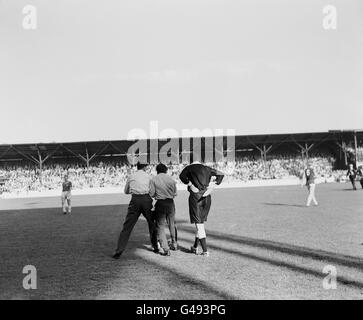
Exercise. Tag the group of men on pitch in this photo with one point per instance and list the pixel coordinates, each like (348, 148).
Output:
(353, 174)
(200, 180)
(143, 188)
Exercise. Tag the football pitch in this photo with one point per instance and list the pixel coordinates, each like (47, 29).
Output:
(264, 244)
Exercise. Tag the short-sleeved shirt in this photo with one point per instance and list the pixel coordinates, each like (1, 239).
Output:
(138, 183)
(162, 187)
(67, 186)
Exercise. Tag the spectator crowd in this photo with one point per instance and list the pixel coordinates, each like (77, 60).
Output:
(114, 173)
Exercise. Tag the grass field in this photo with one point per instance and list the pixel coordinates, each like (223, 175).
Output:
(264, 244)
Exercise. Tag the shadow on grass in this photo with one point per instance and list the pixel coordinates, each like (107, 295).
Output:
(205, 290)
(284, 204)
(286, 265)
(72, 254)
(140, 240)
(294, 250)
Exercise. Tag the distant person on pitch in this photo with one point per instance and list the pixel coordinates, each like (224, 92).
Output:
(66, 195)
(360, 174)
(352, 174)
(138, 185)
(201, 180)
(163, 189)
(309, 178)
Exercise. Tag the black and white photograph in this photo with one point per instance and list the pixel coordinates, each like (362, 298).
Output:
(190, 151)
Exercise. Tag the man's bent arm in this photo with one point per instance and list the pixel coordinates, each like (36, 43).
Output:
(184, 175)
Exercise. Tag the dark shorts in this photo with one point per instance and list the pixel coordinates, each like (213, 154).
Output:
(199, 207)
(165, 207)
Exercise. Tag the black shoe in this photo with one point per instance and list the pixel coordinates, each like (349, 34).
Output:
(117, 255)
(156, 250)
(173, 246)
(65, 212)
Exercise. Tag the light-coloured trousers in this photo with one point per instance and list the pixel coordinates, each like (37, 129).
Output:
(311, 196)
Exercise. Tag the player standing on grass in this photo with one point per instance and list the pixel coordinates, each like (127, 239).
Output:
(198, 177)
(309, 178)
(66, 195)
(352, 174)
(360, 174)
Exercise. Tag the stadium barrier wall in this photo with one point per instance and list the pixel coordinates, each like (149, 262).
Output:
(115, 190)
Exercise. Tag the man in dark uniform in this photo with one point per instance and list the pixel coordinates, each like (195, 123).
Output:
(138, 185)
(352, 174)
(198, 177)
(360, 174)
(66, 195)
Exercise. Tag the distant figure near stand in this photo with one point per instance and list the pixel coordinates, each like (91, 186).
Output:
(66, 195)
(352, 174)
(360, 174)
(309, 178)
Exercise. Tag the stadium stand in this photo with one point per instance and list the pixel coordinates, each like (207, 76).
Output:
(98, 164)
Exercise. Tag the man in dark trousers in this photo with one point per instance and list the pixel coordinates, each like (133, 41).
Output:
(360, 174)
(138, 185)
(352, 174)
(163, 189)
(198, 177)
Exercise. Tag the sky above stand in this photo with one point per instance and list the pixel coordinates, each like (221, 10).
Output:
(95, 70)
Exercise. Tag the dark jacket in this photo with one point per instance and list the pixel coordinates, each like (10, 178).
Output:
(351, 173)
(360, 173)
(310, 179)
(200, 175)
